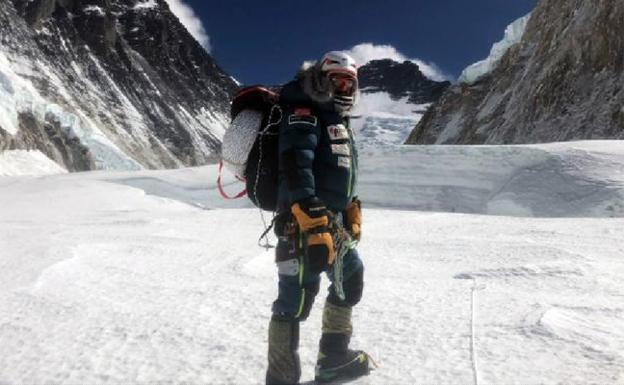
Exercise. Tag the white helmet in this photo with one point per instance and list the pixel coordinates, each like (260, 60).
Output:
(338, 62)
(339, 77)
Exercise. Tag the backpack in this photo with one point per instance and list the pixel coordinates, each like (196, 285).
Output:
(250, 145)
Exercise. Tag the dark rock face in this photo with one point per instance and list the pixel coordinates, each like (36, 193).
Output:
(129, 86)
(563, 81)
(400, 80)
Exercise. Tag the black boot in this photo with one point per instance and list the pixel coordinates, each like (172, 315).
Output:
(336, 362)
(284, 367)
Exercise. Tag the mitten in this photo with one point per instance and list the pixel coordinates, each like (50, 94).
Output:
(314, 220)
(354, 218)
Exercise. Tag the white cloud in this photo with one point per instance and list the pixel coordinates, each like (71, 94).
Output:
(365, 52)
(191, 21)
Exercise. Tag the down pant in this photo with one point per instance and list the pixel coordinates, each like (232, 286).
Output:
(299, 280)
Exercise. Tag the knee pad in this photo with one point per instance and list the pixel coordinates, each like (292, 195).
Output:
(353, 288)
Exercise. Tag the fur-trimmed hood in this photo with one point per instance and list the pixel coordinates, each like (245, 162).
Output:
(311, 83)
(316, 87)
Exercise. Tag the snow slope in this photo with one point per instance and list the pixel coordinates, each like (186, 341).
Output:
(24, 163)
(149, 277)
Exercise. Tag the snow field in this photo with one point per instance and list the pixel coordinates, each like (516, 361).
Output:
(548, 313)
(133, 277)
(119, 287)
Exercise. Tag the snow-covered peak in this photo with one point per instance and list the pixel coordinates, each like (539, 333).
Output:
(561, 81)
(365, 53)
(400, 79)
(191, 22)
(69, 88)
(394, 96)
(513, 35)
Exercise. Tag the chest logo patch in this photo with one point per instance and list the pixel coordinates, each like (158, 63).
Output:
(337, 132)
(341, 149)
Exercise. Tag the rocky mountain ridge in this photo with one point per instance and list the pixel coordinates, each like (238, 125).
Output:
(562, 81)
(115, 84)
(394, 95)
(400, 80)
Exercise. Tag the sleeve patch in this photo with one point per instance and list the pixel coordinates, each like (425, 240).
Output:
(341, 149)
(302, 119)
(337, 132)
(344, 162)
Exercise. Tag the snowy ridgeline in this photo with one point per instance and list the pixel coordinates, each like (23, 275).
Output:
(513, 35)
(150, 279)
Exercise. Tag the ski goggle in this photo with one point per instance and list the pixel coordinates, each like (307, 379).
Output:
(342, 84)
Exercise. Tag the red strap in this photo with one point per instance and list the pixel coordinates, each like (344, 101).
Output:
(222, 191)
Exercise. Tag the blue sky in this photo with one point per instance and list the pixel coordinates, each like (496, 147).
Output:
(265, 41)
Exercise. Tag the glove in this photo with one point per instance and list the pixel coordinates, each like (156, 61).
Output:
(314, 220)
(354, 218)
